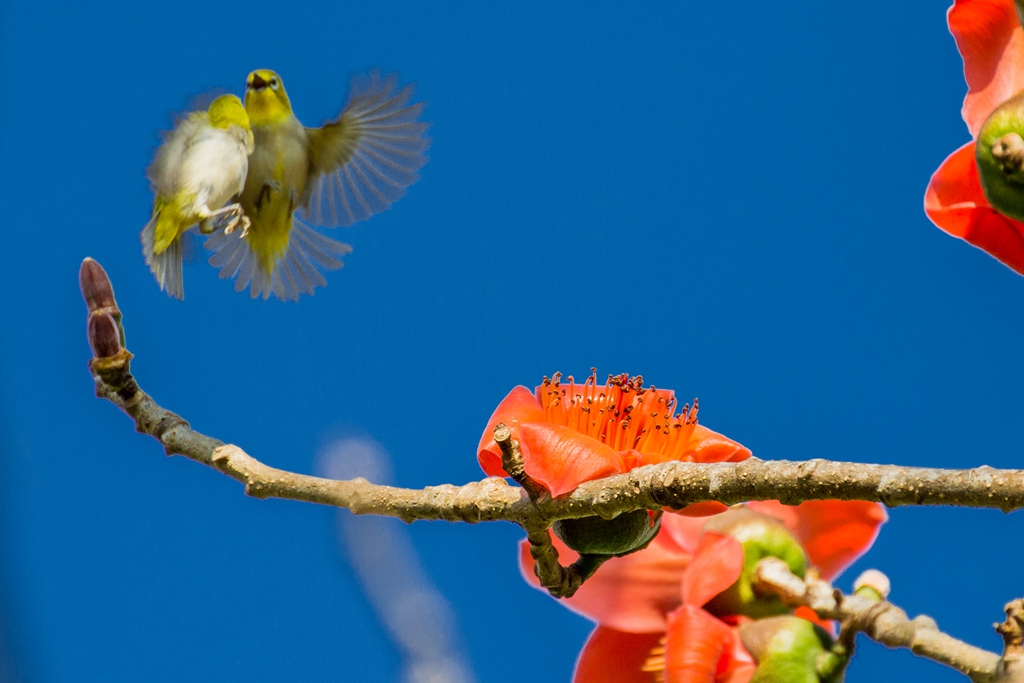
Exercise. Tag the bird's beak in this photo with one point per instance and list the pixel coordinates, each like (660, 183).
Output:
(257, 83)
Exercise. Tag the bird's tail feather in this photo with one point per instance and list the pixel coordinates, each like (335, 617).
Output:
(165, 266)
(296, 271)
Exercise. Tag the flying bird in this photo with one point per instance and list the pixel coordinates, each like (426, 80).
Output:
(199, 167)
(343, 172)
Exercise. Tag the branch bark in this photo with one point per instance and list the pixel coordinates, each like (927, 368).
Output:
(882, 621)
(671, 485)
(668, 485)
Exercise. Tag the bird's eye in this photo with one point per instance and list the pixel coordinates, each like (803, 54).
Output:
(273, 83)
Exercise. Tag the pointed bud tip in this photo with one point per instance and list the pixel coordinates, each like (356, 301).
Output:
(104, 336)
(95, 285)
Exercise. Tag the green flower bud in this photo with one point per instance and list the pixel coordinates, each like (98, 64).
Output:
(789, 649)
(873, 585)
(621, 535)
(999, 154)
(761, 536)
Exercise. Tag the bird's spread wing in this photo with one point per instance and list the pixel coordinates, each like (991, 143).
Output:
(296, 271)
(361, 163)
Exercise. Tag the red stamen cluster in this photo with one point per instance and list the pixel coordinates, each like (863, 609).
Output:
(623, 413)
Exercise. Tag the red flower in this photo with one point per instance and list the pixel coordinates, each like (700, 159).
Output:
(648, 605)
(572, 433)
(989, 36)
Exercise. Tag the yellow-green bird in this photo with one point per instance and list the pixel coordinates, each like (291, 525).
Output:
(343, 172)
(200, 166)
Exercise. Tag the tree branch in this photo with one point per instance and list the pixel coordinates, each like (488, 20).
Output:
(670, 485)
(881, 621)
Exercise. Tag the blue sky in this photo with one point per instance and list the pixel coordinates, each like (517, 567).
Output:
(722, 197)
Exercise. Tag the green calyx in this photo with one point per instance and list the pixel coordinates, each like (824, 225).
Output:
(761, 536)
(999, 153)
(789, 649)
(869, 593)
(621, 535)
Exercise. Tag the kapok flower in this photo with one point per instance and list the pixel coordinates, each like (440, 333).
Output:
(990, 39)
(652, 607)
(570, 433)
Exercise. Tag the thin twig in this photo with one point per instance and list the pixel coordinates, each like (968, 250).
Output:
(512, 462)
(880, 620)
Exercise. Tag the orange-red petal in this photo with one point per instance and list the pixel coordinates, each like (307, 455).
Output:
(991, 42)
(705, 509)
(519, 406)
(611, 656)
(701, 649)
(717, 565)
(739, 667)
(632, 593)
(561, 458)
(709, 446)
(810, 615)
(833, 532)
(955, 202)
(683, 531)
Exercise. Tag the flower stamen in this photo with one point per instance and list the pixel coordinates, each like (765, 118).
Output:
(622, 413)
(655, 663)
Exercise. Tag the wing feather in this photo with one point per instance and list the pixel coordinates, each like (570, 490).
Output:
(165, 266)
(296, 271)
(363, 162)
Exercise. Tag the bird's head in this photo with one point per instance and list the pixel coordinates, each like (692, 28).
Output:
(227, 110)
(265, 99)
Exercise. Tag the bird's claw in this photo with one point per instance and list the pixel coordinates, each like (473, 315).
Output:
(242, 220)
(229, 218)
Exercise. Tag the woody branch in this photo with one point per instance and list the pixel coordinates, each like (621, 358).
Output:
(668, 485)
(671, 485)
(868, 612)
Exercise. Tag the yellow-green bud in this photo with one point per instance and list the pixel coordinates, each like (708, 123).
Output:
(761, 536)
(789, 649)
(999, 153)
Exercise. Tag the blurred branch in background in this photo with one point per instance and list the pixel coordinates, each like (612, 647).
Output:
(417, 616)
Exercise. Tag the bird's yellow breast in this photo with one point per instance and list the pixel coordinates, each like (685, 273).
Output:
(278, 172)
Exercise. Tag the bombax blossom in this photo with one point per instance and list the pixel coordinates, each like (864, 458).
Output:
(990, 39)
(571, 433)
(671, 611)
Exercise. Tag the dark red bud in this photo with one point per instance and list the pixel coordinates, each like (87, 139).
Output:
(96, 287)
(104, 336)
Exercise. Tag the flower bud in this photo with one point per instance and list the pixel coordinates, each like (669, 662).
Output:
(789, 649)
(621, 535)
(95, 286)
(999, 153)
(761, 536)
(872, 584)
(104, 335)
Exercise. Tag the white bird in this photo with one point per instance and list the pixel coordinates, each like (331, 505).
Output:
(198, 169)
